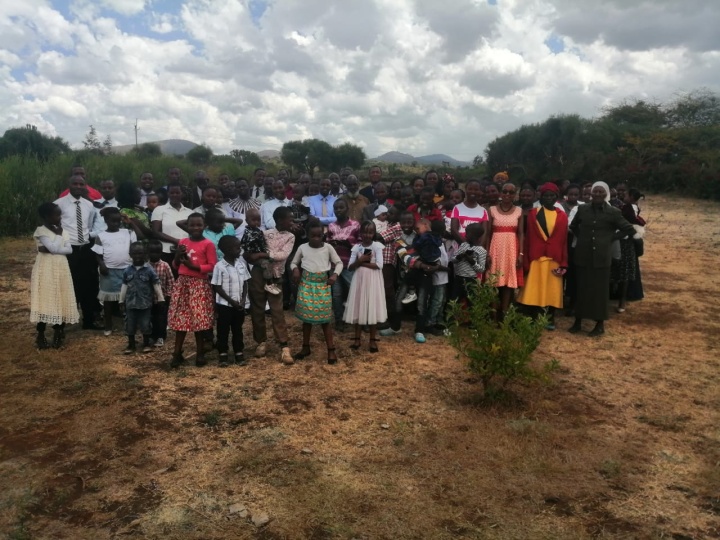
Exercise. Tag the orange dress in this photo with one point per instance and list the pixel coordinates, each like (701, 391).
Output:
(504, 247)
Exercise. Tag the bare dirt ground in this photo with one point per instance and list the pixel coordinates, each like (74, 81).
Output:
(624, 442)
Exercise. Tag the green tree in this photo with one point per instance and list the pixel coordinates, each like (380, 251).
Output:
(107, 145)
(29, 141)
(246, 157)
(147, 150)
(200, 155)
(697, 108)
(91, 141)
(348, 155)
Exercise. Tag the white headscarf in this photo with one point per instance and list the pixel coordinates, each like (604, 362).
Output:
(605, 187)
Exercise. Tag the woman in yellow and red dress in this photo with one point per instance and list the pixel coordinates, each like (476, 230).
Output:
(546, 256)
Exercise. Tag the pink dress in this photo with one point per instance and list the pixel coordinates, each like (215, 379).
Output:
(504, 247)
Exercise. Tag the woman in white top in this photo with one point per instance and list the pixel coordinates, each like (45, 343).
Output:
(469, 211)
(310, 267)
(164, 222)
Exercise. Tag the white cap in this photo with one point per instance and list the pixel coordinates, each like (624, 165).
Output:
(382, 209)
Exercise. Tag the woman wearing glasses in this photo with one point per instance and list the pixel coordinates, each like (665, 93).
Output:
(506, 241)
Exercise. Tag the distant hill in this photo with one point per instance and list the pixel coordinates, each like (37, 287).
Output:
(432, 159)
(177, 147)
(268, 154)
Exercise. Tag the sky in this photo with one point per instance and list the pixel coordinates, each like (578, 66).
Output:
(416, 76)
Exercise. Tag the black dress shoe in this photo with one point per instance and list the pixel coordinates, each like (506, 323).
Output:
(92, 326)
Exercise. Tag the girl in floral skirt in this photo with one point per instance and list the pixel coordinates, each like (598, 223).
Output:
(310, 267)
(191, 306)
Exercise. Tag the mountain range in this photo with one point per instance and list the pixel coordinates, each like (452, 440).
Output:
(180, 147)
(432, 159)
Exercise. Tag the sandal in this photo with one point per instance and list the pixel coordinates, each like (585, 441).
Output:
(374, 348)
(356, 344)
(304, 352)
(332, 358)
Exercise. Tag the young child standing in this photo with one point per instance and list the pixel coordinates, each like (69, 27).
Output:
(469, 260)
(253, 241)
(139, 285)
(426, 246)
(310, 267)
(229, 281)
(159, 311)
(52, 297)
(112, 250)
(191, 307)
(366, 299)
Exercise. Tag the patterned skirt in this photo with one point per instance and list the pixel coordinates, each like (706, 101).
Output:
(191, 305)
(314, 299)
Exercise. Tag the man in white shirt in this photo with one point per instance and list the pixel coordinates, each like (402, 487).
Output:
(257, 191)
(321, 205)
(146, 188)
(78, 219)
(107, 190)
(268, 207)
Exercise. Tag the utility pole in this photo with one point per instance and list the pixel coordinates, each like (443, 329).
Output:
(136, 130)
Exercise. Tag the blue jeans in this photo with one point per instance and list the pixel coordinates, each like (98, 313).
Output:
(339, 292)
(437, 301)
(137, 319)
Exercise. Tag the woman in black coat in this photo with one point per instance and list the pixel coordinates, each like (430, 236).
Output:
(595, 226)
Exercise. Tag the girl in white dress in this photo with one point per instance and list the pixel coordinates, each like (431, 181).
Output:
(112, 250)
(366, 299)
(52, 297)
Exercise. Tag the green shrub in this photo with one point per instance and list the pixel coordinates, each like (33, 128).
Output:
(497, 353)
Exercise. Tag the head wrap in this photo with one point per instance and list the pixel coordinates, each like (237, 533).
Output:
(549, 186)
(382, 209)
(605, 187)
(502, 176)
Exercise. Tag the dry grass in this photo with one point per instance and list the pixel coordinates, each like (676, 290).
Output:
(623, 443)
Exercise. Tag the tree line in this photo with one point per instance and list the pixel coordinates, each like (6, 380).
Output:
(661, 147)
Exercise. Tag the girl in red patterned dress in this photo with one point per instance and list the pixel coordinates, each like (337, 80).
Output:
(191, 307)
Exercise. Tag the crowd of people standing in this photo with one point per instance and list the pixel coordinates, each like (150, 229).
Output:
(196, 258)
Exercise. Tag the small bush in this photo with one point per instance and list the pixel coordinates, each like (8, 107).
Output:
(496, 352)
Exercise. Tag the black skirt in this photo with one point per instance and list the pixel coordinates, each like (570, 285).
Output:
(593, 286)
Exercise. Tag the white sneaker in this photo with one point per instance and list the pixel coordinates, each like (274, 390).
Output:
(160, 342)
(272, 288)
(260, 350)
(286, 357)
(409, 298)
(386, 332)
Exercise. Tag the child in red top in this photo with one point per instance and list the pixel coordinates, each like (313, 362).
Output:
(191, 307)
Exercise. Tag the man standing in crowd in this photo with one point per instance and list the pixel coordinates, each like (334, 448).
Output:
(355, 201)
(78, 220)
(321, 205)
(374, 174)
(146, 188)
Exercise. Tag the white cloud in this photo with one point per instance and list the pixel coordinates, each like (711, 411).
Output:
(417, 76)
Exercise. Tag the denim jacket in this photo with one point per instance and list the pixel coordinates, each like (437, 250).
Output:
(139, 282)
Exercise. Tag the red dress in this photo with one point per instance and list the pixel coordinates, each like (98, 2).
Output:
(191, 307)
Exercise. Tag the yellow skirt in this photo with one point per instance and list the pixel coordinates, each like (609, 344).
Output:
(542, 287)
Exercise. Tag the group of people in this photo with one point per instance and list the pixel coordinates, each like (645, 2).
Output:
(195, 258)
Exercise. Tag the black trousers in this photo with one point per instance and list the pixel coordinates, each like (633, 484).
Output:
(230, 319)
(159, 315)
(84, 271)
